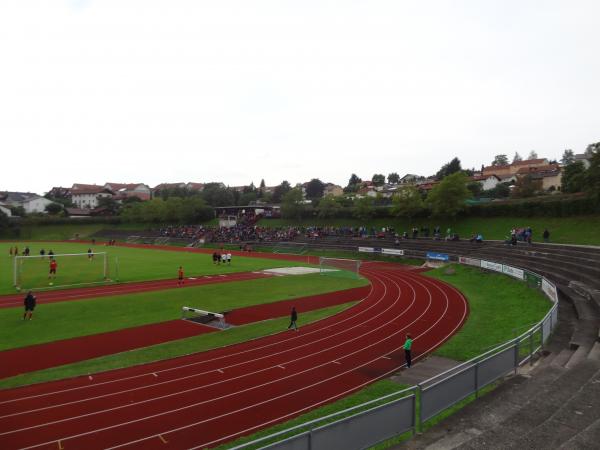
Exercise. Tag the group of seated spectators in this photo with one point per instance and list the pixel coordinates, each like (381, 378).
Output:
(194, 232)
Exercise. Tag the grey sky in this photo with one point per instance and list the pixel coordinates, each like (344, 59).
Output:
(236, 91)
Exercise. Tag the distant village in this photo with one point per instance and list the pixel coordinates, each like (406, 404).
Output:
(85, 200)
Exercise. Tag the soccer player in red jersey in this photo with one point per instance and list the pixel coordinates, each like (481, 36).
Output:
(53, 266)
(180, 276)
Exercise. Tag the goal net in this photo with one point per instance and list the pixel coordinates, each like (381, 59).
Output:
(339, 267)
(73, 269)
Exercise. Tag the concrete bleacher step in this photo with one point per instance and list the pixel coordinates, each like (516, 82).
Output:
(584, 440)
(580, 354)
(526, 426)
(562, 358)
(595, 352)
(573, 416)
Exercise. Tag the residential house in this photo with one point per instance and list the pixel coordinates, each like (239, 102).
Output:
(333, 189)
(512, 169)
(166, 186)
(549, 174)
(31, 203)
(59, 192)
(410, 178)
(196, 187)
(5, 209)
(487, 182)
(584, 158)
(87, 196)
(127, 190)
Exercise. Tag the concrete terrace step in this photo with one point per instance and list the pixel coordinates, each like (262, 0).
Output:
(525, 427)
(586, 439)
(573, 416)
(562, 358)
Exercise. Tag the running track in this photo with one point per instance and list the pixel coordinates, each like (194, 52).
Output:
(208, 398)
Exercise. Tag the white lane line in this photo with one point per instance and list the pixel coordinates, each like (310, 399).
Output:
(413, 321)
(215, 383)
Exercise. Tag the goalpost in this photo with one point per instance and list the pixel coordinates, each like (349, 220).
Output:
(72, 269)
(339, 267)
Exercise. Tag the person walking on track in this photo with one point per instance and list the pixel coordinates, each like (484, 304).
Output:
(293, 319)
(407, 346)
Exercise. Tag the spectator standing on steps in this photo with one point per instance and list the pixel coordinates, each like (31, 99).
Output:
(407, 347)
(293, 319)
(546, 235)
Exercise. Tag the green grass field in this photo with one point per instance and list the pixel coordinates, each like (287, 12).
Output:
(62, 320)
(124, 264)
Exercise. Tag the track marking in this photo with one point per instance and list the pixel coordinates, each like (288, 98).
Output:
(336, 362)
(310, 369)
(163, 439)
(60, 447)
(387, 357)
(220, 370)
(90, 377)
(155, 375)
(281, 367)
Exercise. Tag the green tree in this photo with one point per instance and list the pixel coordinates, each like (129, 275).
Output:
(590, 149)
(353, 184)
(18, 211)
(573, 177)
(280, 191)
(517, 158)
(54, 208)
(328, 207)
(4, 220)
(501, 190)
(526, 187)
(261, 189)
(500, 160)
(216, 194)
(393, 178)
(315, 188)
(378, 179)
(364, 208)
(592, 174)
(568, 157)
(407, 203)
(532, 155)
(448, 169)
(109, 204)
(448, 197)
(475, 189)
(292, 205)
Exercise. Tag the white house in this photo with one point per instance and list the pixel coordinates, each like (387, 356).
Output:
(86, 196)
(5, 210)
(487, 182)
(31, 203)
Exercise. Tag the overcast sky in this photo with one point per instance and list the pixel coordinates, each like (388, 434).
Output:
(235, 91)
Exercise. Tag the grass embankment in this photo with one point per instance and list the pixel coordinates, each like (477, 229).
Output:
(500, 308)
(63, 320)
(582, 230)
(124, 264)
(169, 349)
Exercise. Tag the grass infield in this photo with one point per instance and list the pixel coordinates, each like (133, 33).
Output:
(124, 264)
(63, 320)
(170, 349)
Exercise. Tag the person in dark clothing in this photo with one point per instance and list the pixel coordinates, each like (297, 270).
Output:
(293, 319)
(546, 235)
(29, 305)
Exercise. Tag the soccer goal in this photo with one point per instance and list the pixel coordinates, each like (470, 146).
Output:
(72, 269)
(339, 267)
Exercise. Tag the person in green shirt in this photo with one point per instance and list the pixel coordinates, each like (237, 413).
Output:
(407, 346)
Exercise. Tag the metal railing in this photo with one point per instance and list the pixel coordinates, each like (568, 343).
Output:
(407, 410)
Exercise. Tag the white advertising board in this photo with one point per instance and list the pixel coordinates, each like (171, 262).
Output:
(489, 265)
(366, 249)
(513, 272)
(550, 290)
(392, 251)
(470, 261)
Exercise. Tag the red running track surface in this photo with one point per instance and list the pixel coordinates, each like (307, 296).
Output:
(205, 399)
